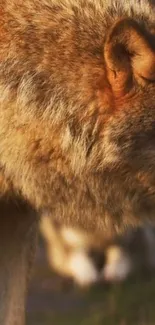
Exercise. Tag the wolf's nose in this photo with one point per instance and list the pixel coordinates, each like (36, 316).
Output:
(98, 259)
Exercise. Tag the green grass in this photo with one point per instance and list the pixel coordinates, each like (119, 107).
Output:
(132, 303)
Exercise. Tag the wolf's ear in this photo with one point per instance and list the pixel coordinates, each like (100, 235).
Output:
(129, 54)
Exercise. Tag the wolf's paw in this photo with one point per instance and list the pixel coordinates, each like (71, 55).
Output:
(84, 257)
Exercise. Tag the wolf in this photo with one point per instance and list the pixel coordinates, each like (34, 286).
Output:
(77, 125)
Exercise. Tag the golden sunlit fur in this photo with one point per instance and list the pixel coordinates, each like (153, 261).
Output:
(77, 135)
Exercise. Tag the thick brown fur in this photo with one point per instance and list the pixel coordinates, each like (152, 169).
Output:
(70, 142)
(77, 112)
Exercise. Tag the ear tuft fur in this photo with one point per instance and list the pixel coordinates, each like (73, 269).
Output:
(129, 54)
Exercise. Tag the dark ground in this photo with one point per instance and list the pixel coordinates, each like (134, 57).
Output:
(53, 300)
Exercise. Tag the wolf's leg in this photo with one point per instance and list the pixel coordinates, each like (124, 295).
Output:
(17, 242)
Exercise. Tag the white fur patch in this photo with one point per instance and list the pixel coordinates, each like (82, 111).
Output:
(118, 265)
(82, 269)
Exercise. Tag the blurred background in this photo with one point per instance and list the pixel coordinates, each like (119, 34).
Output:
(54, 300)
